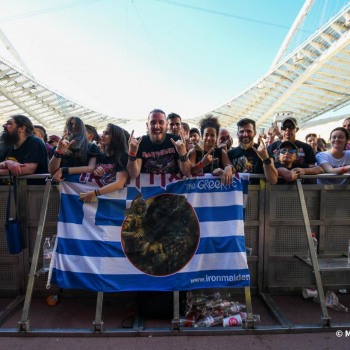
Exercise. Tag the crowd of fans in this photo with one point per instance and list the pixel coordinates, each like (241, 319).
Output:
(171, 146)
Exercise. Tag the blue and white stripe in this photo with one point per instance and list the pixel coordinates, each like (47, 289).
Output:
(90, 255)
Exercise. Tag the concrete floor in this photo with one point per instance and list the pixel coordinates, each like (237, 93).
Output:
(317, 341)
(68, 325)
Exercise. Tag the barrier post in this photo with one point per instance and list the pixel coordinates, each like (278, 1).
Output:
(23, 324)
(325, 319)
(98, 323)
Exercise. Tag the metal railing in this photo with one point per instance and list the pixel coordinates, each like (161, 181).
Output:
(278, 220)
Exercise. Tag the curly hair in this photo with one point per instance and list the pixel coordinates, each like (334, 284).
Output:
(209, 122)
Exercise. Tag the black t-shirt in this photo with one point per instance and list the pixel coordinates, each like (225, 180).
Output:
(250, 164)
(158, 158)
(108, 162)
(110, 166)
(246, 161)
(73, 161)
(305, 153)
(278, 165)
(217, 154)
(3, 150)
(32, 150)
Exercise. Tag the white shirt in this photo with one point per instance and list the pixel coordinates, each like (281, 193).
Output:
(326, 157)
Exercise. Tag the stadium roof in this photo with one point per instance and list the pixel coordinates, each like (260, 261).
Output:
(310, 81)
(21, 93)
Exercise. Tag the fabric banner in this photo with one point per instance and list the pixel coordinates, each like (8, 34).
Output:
(156, 234)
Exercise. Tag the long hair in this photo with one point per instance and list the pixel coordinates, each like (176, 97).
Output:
(22, 120)
(79, 148)
(118, 145)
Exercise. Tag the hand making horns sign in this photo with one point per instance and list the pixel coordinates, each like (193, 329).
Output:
(180, 145)
(64, 144)
(208, 158)
(134, 143)
(261, 151)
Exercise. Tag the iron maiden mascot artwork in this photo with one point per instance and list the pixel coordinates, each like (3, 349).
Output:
(160, 235)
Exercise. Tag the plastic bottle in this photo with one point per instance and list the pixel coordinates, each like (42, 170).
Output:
(233, 309)
(237, 319)
(209, 321)
(47, 253)
(187, 322)
(221, 304)
(315, 243)
(244, 315)
(195, 301)
(53, 241)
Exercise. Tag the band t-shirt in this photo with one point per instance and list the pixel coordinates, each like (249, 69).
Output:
(251, 164)
(158, 158)
(246, 161)
(110, 166)
(305, 153)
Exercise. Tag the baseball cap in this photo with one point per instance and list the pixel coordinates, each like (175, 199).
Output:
(288, 144)
(291, 120)
(54, 138)
(194, 130)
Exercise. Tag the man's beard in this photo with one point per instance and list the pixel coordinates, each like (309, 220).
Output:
(156, 139)
(9, 139)
(246, 145)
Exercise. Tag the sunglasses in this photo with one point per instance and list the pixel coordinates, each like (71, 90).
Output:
(290, 151)
(288, 126)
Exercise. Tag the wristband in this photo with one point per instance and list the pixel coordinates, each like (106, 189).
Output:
(184, 158)
(199, 165)
(65, 170)
(132, 158)
(58, 151)
(57, 155)
(267, 161)
(97, 193)
(343, 170)
(132, 154)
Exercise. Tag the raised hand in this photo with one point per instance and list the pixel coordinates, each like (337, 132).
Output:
(208, 158)
(180, 145)
(64, 144)
(261, 151)
(224, 145)
(134, 143)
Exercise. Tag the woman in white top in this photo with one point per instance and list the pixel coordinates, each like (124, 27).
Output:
(337, 159)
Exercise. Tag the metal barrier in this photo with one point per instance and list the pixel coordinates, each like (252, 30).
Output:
(274, 228)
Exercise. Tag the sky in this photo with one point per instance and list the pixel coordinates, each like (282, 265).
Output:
(127, 57)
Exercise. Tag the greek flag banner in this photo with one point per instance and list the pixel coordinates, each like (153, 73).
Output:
(157, 234)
